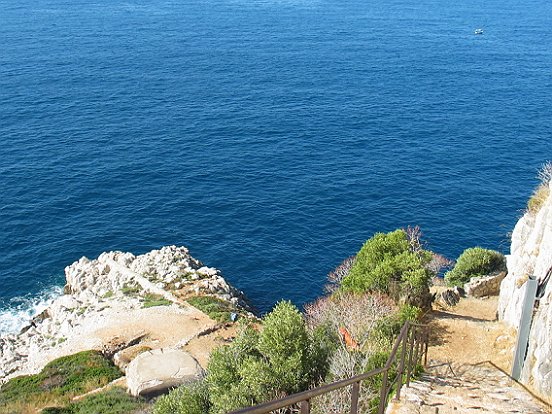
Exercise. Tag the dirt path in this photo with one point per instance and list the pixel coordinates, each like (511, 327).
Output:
(470, 358)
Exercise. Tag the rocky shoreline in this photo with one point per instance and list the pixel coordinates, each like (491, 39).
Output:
(112, 303)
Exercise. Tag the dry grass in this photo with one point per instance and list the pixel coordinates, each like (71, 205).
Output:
(542, 192)
(538, 198)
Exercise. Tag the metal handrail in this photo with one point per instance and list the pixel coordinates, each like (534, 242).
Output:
(412, 344)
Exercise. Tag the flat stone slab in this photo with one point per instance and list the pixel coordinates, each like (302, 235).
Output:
(156, 372)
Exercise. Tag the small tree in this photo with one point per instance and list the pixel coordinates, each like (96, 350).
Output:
(394, 264)
(474, 262)
(282, 359)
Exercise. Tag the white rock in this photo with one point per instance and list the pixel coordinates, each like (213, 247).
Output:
(531, 254)
(86, 309)
(155, 372)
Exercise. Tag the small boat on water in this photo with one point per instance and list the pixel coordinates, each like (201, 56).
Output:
(478, 31)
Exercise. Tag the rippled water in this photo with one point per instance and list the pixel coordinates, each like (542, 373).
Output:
(270, 137)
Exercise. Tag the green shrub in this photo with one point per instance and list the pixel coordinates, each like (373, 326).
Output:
(151, 300)
(192, 399)
(282, 359)
(215, 308)
(409, 313)
(474, 262)
(60, 380)
(131, 289)
(113, 401)
(388, 263)
(387, 329)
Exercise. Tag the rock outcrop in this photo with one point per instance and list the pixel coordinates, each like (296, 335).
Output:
(155, 372)
(531, 255)
(106, 307)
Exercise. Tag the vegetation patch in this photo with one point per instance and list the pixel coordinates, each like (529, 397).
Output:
(58, 382)
(284, 358)
(542, 192)
(217, 309)
(394, 264)
(108, 294)
(192, 399)
(150, 300)
(131, 289)
(475, 262)
(538, 198)
(112, 401)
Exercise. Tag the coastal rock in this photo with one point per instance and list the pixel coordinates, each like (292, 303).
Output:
(155, 372)
(531, 255)
(104, 299)
(485, 285)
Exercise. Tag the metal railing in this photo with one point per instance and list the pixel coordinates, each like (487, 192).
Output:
(409, 350)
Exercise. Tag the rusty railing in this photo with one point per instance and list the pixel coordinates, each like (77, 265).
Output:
(409, 350)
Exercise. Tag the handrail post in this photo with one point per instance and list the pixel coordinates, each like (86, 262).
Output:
(410, 355)
(417, 347)
(354, 397)
(383, 393)
(305, 407)
(401, 365)
(426, 344)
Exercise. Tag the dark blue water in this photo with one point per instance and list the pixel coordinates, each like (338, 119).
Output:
(270, 137)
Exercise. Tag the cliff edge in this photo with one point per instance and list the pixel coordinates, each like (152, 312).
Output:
(531, 255)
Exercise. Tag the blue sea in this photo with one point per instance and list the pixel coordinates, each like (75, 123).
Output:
(271, 137)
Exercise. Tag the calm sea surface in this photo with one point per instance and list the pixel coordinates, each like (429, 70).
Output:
(270, 137)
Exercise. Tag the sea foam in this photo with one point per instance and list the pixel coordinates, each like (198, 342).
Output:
(17, 313)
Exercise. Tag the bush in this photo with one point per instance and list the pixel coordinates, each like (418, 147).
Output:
(282, 359)
(113, 401)
(392, 264)
(59, 381)
(192, 399)
(150, 300)
(474, 262)
(215, 308)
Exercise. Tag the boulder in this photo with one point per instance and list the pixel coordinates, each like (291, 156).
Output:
(156, 372)
(449, 297)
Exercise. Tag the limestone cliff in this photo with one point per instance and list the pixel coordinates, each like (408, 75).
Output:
(531, 255)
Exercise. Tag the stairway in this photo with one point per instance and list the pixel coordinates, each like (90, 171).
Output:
(454, 388)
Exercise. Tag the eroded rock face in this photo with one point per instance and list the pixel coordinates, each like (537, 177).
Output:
(531, 255)
(155, 372)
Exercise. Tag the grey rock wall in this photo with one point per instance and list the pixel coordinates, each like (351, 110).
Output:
(531, 255)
